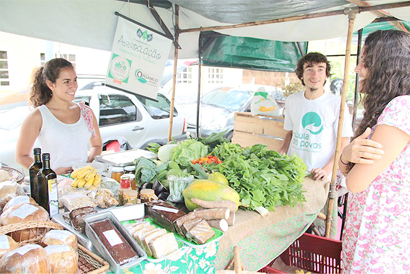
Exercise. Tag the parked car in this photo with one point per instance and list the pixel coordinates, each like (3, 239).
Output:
(218, 108)
(131, 119)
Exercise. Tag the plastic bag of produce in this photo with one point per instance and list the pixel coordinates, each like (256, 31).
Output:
(177, 185)
(263, 104)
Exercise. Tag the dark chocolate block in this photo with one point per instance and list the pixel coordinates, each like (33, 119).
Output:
(118, 247)
(163, 214)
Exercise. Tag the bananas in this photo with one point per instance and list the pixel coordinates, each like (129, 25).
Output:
(301, 271)
(86, 177)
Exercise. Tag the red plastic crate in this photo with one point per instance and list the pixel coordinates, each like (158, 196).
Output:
(311, 253)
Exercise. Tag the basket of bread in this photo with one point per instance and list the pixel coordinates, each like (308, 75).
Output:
(10, 174)
(31, 243)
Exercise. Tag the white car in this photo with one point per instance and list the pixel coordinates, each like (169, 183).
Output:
(218, 108)
(132, 120)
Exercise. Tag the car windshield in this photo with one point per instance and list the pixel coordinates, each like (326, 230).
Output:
(159, 108)
(13, 118)
(231, 100)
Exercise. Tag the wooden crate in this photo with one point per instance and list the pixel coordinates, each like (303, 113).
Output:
(250, 130)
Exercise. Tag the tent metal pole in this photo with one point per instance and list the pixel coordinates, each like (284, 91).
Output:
(174, 78)
(198, 98)
(356, 85)
(332, 193)
(301, 17)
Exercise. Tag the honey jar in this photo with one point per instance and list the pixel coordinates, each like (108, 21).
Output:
(116, 173)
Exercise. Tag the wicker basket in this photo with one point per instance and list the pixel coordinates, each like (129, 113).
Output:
(88, 262)
(14, 174)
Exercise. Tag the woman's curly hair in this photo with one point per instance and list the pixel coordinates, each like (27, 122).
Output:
(387, 57)
(40, 93)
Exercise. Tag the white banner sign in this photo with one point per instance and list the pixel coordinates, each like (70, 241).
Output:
(138, 58)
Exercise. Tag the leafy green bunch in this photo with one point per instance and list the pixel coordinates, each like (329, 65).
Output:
(262, 177)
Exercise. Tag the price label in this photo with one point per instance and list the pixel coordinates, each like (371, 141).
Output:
(112, 237)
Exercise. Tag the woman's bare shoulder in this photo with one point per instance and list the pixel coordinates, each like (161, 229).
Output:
(34, 116)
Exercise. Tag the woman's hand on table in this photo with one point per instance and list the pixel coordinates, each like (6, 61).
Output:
(63, 170)
(362, 150)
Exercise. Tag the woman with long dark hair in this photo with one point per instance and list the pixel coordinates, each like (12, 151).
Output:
(65, 129)
(376, 163)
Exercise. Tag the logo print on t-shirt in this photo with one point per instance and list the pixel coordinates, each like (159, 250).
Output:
(311, 122)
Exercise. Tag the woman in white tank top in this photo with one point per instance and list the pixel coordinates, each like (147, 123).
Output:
(64, 128)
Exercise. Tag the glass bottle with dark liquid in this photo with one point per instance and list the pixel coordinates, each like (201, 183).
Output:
(33, 170)
(47, 186)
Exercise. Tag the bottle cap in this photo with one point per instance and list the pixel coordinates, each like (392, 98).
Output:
(117, 169)
(125, 177)
(129, 168)
(37, 150)
(46, 156)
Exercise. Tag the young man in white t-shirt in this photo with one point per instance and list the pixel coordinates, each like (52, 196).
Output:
(312, 116)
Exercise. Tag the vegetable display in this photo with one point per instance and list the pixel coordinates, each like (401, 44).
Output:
(257, 177)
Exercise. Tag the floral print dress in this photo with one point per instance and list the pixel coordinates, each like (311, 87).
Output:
(377, 234)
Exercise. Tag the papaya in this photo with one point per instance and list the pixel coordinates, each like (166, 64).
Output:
(218, 177)
(208, 190)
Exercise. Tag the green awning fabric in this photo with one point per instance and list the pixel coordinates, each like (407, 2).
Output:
(383, 26)
(252, 53)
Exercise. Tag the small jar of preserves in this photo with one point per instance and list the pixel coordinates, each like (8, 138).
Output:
(117, 172)
(132, 179)
(129, 170)
(125, 181)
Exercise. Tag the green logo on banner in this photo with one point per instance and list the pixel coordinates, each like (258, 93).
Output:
(119, 69)
(144, 35)
(311, 122)
(140, 77)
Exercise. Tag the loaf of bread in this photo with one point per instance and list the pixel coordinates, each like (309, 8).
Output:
(62, 259)
(147, 239)
(132, 228)
(6, 244)
(163, 245)
(140, 233)
(25, 213)
(60, 237)
(9, 190)
(4, 176)
(18, 200)
(30, 258)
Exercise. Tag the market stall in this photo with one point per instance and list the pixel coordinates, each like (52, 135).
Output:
(91, 196)
(252, 232)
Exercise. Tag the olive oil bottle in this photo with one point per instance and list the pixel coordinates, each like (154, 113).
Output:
(33, 170)
(47, 186)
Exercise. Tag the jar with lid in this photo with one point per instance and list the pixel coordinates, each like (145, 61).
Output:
(129, 170)
(117, 172)
(132, 179)
(125, 182)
